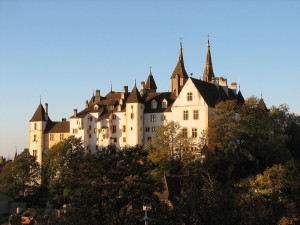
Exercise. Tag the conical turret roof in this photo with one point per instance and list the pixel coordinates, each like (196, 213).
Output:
(150, 84)
(39, 115)
(134, 96)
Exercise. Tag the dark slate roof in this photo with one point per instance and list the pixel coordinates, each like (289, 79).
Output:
(39, 115)
(208, 91)
(212, 95)
(58, 127)
(150, 84)
(134, 96)
(159, 97)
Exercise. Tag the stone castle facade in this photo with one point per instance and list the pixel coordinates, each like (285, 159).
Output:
(131, 118)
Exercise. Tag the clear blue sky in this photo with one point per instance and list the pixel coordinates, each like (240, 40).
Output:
(63, 50)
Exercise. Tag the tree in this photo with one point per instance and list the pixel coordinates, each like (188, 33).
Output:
(21, 177)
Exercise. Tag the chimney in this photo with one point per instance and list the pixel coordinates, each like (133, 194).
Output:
(142, 90)
(46, 111)
(46, 107)
(233, 87)
(97, 97)
(86, 104)
(223, 81)
(63, 119)
(125, 89)
(75, 112)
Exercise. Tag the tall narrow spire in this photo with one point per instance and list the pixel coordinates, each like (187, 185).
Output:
(208, 73)
(180, 52)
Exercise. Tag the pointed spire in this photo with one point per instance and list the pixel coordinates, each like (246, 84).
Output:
(180, 69)
(150, 83)
(208, 73)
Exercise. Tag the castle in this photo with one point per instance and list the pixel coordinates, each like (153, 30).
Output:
(131, 118)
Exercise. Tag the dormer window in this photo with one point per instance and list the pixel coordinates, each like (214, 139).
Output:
(164, 104)
(154, 104)
(96, 107)
(111, 106)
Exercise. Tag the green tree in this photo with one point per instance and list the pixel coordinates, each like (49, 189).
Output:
(21, 177)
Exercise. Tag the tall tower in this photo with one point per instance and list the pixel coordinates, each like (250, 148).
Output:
(134, 118)
(208, 73)
(179, 76)
(37, 126)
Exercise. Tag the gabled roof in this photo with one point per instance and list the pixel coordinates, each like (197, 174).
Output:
(39, 115)
(58, 127)
(262, 104)
(134, 96)
(180, 69)
(150, 84)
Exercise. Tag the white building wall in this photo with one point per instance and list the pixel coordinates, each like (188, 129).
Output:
(181, 104)
(36, 139)
(152, 125)
(134, 126)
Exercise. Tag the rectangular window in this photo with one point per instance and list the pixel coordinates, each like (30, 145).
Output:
(114, 117)
(189, 96)
(90, 127)
(91, 118)
(75, 131)
(95, 130)
(194, 132)
(34, 137)
(124, 128)
(147, 129)
(51, 137)
(153, 129)
(196, 114)
(35, 126)
(34, 153)
(131, 115)
(185, 115)
(149, 138)
(114, 128)
(124, 139)
(163, 118)
(184, 132)
(153, 118)
(61, 137)
(90, 135)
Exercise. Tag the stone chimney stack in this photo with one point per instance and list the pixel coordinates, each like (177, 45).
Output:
(46, 111)
(142, 90)
(97, 97)
(233, 87)
(86, 104)
(75, 112)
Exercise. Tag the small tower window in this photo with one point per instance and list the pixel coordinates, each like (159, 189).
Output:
(131, 115)
(34, 153)
(114, 116)
(35, 126)
(51, 137)
(34, 137)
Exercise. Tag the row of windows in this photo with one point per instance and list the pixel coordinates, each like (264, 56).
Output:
(147, 129)
(184, 132)
(61, 137)
(164, 104)
(186, 114)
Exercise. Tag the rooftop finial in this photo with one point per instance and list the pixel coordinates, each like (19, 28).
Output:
(150, 70)
(261, 95)
(40, 99)
(180, 49)
(110, 86)
(135, 82)
(208, 36)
